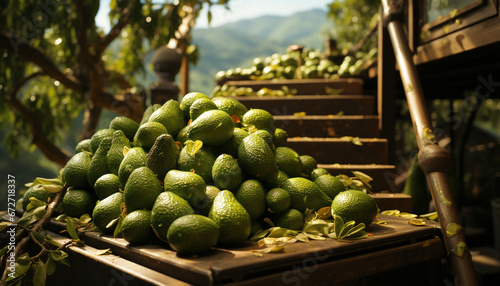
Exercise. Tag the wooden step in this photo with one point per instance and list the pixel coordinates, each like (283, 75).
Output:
(329, 126)
(341, 151)
(312, 104)
(382, 175)
(306, 86)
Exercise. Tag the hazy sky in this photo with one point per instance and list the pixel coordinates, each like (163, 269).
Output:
(239, 9)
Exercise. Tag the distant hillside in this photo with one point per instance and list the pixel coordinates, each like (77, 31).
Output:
(236, 44)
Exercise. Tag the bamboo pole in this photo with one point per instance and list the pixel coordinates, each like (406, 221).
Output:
(434, 160)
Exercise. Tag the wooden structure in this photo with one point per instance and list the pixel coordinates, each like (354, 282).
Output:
(391, 246)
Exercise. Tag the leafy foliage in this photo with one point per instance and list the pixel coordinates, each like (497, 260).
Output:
(55, 60)
(353, 19)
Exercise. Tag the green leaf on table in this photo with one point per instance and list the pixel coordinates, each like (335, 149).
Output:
(103, 251)
(84, 220)
(324, 213)
(271, 249)
(281, 232)
(70, 227)
(364, 178)
(348, 231)
(391, 212)
(317, 227)
(333, 91)
(260, 234)
(431, 216)
(417, 221)
(118, 229)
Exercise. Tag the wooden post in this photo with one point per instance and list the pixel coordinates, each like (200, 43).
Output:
(386, 89)
(184, 75)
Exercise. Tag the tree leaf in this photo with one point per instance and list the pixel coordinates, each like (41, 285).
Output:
(299, 114)
(269, 221)
(260, 234)
(280, 232)
(50, 266)
(417, 221)
(61, 217)
(113, 222)
(356, 141)
(355, 229)
(53, 188)
(302, 237)
(38, 237)
(324, 213)
(70, 227)
(50, 240)
(34, 202)
(84, 220)
(391, 212)
(40, 274)
(431, 216)
(60, 256)
(338, 224)
(364, 178)
(45, 182)
(118, 229)
(103, 251)
(272, 249)
(4, 225)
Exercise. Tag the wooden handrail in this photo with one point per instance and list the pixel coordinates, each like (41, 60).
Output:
(434, 160)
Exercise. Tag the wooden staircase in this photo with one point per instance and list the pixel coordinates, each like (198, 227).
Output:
(324, 126)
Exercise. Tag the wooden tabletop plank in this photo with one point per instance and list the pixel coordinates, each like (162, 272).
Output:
(312, 104)
(231, 264)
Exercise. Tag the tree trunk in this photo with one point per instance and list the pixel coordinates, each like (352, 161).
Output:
(90, 120)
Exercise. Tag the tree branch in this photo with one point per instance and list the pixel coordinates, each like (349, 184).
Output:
(52, 152)
(37, 227)
(130, 105)
(82, 32)
(103, 42)
(22, 48)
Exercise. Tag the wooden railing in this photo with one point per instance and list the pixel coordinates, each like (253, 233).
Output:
(434, 160)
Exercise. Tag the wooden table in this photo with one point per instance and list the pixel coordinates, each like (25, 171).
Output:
(390, 246)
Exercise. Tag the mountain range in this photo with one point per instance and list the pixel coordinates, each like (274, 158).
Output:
(237, 44)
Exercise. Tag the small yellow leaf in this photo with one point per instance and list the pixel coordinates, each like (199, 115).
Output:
(391, 212)
(417, 221)
(269, 222)
(357, 141)
(382, 222)
(453, 13)
(300, 114)
(447, 29)
(103, 251)
(125, 150)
